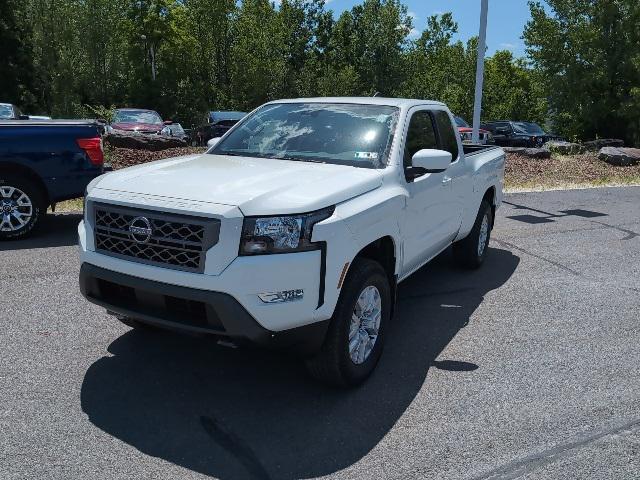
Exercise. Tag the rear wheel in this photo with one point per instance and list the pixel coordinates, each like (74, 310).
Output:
(355, 338)
(472, 250)
(21, 206)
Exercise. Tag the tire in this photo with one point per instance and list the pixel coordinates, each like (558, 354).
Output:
(472, 250)
(334, 364)
(22, 205)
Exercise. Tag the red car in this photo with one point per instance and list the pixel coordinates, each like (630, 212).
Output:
(138, 120)
(466, 131)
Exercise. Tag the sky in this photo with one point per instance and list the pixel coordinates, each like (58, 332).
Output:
(505, 21)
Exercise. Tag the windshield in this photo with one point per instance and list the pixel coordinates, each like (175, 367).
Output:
(461, 123)
(528, 127)
(137, 116)
(6, 111)
(176, 129)
(338, 133)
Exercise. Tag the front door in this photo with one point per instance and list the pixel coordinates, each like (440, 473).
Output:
(427, 223)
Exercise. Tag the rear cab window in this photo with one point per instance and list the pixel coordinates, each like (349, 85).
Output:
(448, 136)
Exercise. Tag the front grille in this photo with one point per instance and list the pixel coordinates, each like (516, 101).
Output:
(164, 239)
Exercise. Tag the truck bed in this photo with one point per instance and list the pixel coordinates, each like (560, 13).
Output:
(49, 152)
(475, 148)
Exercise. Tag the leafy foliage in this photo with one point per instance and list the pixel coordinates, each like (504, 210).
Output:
(185, 57)
(587, 53)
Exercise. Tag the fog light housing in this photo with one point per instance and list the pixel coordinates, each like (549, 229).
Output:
(281, 297)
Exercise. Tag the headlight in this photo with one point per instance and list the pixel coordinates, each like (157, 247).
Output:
(280, 234)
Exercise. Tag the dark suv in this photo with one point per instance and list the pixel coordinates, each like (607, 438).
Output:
(216, 124)
(508, 133)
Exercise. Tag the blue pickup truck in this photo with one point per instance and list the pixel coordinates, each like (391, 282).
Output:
(41, 163)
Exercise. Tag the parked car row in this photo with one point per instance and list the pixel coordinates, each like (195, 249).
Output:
(507, 133)
(466, 132)
(149, 122)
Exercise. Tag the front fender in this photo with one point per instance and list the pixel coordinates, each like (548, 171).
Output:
(354, 225)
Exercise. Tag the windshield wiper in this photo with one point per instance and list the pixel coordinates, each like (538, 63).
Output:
(302, 159)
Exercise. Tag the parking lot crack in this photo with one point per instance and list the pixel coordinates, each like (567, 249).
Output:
(630, 233)
(540, 257)
(527, 464)
(235, 446)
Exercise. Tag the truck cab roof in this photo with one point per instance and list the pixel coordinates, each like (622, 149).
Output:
(387, 101)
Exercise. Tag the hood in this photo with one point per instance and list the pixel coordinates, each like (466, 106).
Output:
(258, 186)
(132, 126)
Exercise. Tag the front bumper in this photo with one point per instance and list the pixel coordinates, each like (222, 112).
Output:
(190, 309)
(243, 278)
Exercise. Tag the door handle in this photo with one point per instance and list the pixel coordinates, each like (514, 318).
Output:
(446, 181)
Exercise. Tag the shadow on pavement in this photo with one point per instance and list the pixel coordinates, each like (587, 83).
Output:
(242, 413)
(56, 230)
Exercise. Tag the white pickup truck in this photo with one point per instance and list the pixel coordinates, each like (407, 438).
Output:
(294, 229)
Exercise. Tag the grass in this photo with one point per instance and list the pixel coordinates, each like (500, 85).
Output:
(69, 206)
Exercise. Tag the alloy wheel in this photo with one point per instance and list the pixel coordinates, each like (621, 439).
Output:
(365, 324)
(16, 209)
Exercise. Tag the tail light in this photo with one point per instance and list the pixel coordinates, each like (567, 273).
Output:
(93, 148)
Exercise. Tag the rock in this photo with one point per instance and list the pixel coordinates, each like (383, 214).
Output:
(537, 152)
(519, 150)
(143, 142)
(529, 152)
(564, 148)
(621, 157)
(595, 145)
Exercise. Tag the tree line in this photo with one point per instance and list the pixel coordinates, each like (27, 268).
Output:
(72, 58)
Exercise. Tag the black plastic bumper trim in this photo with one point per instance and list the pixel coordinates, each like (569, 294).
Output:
(225, 316)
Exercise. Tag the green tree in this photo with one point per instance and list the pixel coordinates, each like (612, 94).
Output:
(440, 70)
(57, 55)
(588, 53)
(257, 67)
(369, 42)
(16, 55)
(512, 90)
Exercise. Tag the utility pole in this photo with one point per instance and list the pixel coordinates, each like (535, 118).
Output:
(482, 41)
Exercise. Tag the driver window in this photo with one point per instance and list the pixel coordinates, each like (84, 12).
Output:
(421, 134)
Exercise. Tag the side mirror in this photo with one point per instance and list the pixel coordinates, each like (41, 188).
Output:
(212, 142)
(23, 117)
(101, 120)
(431, 160)
(167, 122)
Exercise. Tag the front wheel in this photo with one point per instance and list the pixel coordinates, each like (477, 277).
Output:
(21, 206)
(355, 338)
(472, 250)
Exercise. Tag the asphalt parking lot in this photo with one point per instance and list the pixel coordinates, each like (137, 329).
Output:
(528, 368)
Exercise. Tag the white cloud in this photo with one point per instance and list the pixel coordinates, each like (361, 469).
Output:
(508, 46)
